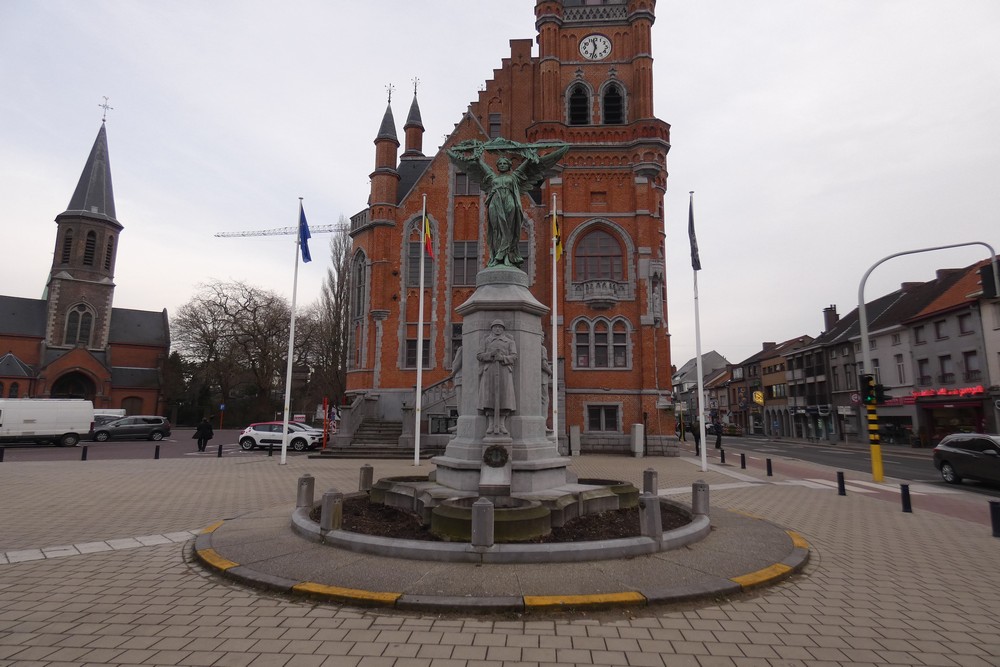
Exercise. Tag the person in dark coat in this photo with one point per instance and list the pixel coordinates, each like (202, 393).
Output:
(203, 433)
(718, 435)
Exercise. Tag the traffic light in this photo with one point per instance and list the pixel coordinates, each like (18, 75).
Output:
(880, 395)
(868, 389)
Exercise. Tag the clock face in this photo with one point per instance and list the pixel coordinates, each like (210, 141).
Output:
(595, 47)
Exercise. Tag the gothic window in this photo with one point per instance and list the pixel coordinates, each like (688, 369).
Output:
(79, 323)
(598, 256)
(90, 249)
(614, 105)
(494, 125)
(15, 390)
(465, 262)
(359, 286)
(601, 344)
(67, 248)
(579, 105)
(465, 185)
(109, 253)
(414, 250)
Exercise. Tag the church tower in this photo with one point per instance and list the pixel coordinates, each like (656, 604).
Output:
(80, 288)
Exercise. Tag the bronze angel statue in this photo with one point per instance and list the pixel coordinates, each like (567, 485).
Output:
(504, 187)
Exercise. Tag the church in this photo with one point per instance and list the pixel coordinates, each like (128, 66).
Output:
(590, 85)
(73, 343)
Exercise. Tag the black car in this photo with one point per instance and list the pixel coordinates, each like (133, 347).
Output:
(971, 455)
(133, 428)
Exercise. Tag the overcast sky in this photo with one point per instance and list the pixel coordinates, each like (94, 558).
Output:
(818, 137)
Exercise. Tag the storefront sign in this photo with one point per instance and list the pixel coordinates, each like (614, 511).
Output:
(961, 391)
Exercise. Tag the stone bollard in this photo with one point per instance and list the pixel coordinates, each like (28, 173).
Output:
(574, 440)
(482, 523)
(638, 440)
(650, 518)
(367, 475)
(331, 513)
(649, 481)
(699, 498)
(307, 484)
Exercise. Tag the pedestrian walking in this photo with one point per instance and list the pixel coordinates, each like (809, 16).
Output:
(680, 430)
(203, 433)
(696, 432)
(718, 435)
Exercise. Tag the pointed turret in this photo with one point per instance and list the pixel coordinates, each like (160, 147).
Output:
(94, 196)
(385, 178)
(414, 130)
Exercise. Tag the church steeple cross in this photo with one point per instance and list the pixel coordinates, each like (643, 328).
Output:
(107, 107)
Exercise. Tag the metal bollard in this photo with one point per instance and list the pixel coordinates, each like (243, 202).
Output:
(743, 461)
(270, 449)
(699, 498)
(722, 456)
(650, 517)
(841, 489)
(1, 454)
(769, 471)
(649, 481)
(367, 475)
(482, 523)
(331, 513)
(904, 492)
(995, 517)
(83, 453)
(156, 453)
(307, 484)
(219, 455)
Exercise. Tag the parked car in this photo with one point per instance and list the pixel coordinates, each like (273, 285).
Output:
(971, 455)
(135, 427)
(265, 434)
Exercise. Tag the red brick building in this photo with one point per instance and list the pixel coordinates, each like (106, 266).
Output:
(73, 343)
(590, 85)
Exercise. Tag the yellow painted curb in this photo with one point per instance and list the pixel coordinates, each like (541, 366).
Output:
(797, 540)
(350, 594)
(212, 557)
(762, 576)
(581, 600)
(212, 528)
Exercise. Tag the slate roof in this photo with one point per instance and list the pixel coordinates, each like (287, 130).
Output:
(22, 317)
(388, 128)
(139, 327)
(94, 196)
(410, 170)
(11, 367)
(135, 378)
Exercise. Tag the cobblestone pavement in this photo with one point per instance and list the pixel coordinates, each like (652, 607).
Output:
(96, 568)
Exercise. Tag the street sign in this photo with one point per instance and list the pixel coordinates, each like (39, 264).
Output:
(855, 398)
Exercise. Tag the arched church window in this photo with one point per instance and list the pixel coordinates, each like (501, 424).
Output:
(359, 286)
(109, 253)
(79, 324)
(15, 390)
(614, 105)
(90, 249)
(579, 105)
(67, 247)
(598, 256)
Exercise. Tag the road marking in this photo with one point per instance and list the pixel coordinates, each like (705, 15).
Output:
(83, 548)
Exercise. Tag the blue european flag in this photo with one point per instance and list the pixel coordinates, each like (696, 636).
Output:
(304, 235)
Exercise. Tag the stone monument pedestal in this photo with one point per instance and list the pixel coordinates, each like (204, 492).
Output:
(532, 458)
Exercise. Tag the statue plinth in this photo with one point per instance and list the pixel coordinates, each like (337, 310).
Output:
(533, 462)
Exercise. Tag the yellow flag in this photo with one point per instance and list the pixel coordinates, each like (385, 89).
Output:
(556, 235)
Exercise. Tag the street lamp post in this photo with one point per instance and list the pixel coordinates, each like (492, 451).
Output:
(866, 353)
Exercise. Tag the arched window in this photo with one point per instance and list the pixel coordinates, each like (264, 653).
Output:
(67, 248)
(359, 286)
(109, 253)
(601, 344)
(598, 256)
(614, 105)
(90, 249)
(79, 323)
(579, 105)
(15, 390)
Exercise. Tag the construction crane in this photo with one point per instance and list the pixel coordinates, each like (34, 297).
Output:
(283, 231)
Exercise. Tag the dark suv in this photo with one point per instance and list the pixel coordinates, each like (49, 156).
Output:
(133, 428)
(972, 455)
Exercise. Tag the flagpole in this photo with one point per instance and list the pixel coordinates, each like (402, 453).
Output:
(696, 265)
(420, 336)
(554, 358)
(291, 345)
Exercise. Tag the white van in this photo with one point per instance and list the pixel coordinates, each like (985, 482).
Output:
(61, 421)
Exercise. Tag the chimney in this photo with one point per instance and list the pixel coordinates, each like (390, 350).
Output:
(769, 345)
(830, 317)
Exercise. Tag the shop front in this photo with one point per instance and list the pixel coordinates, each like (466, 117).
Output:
(944, 411)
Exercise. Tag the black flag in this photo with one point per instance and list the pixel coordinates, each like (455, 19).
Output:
(695, 260)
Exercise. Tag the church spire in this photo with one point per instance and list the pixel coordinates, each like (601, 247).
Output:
(94, 196)
(414, 130)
